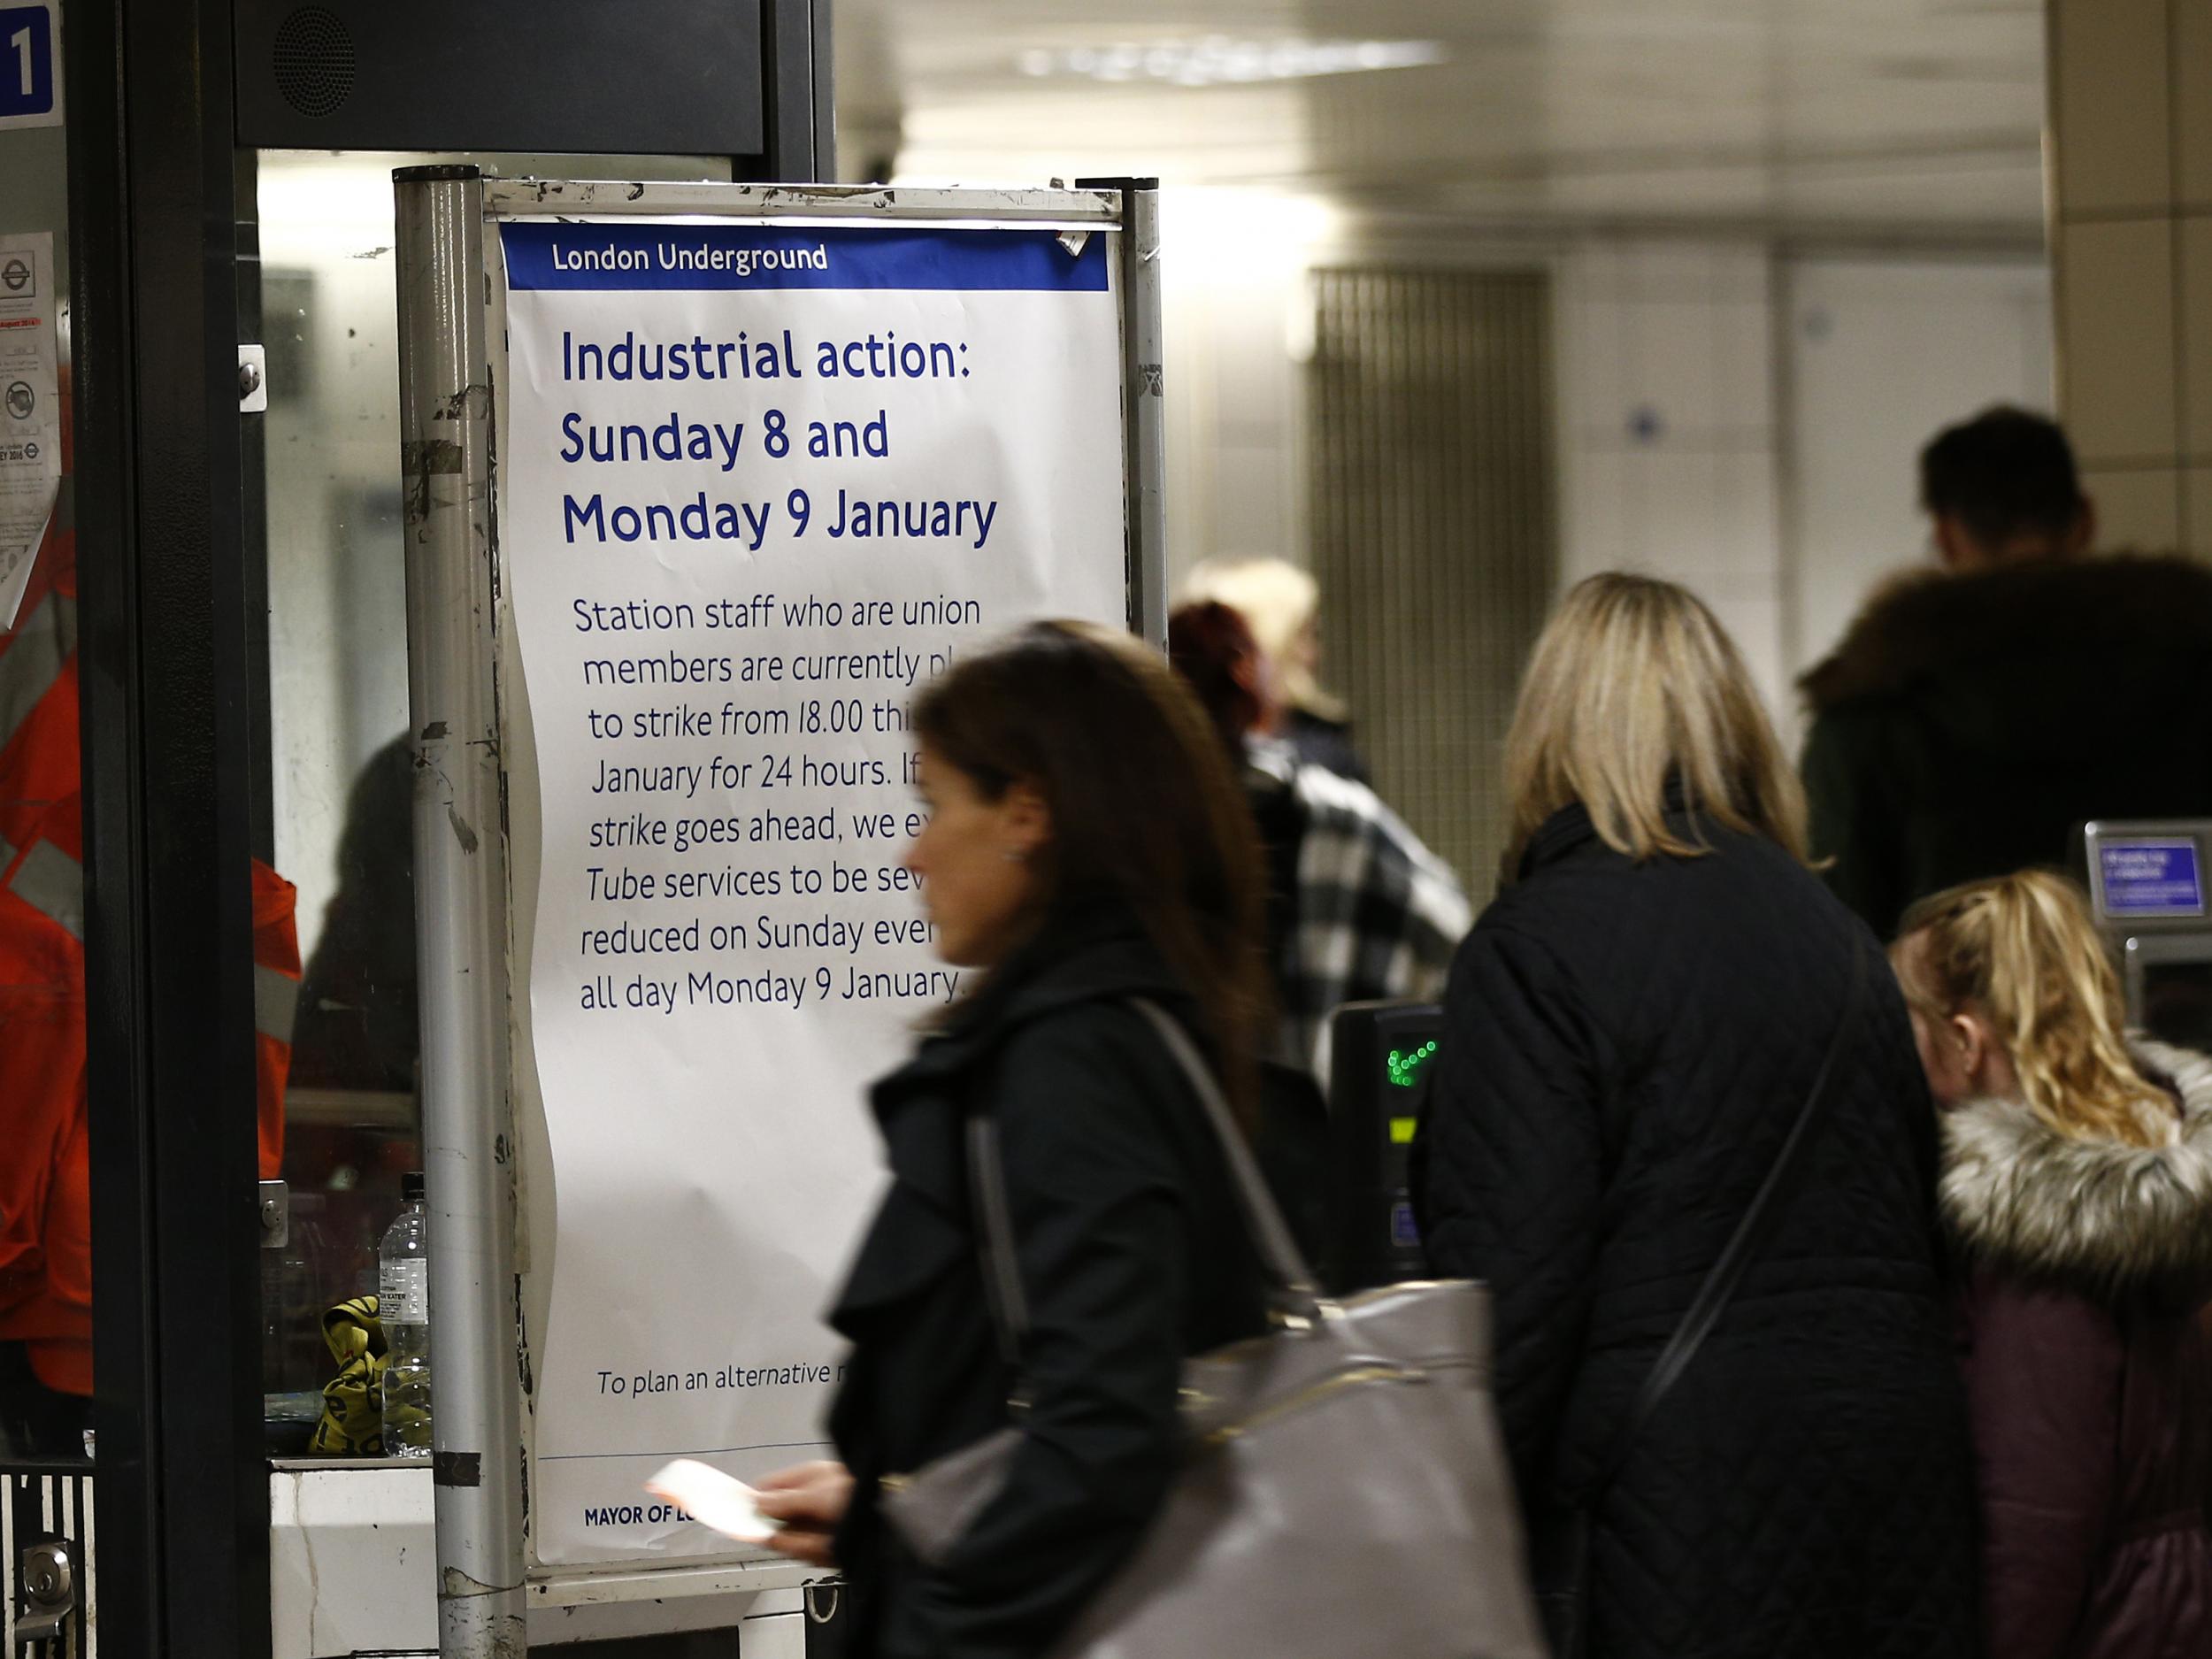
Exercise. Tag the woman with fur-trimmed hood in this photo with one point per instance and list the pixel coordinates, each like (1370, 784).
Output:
(2078, 1191)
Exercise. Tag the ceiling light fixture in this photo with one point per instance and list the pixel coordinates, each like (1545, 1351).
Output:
(1218, 61)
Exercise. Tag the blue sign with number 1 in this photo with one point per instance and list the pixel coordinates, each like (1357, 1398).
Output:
(26, 61)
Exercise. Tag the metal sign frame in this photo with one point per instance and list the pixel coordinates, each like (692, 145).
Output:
(459, 647)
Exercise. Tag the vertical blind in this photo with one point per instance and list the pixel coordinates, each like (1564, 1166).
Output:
(1433, 530)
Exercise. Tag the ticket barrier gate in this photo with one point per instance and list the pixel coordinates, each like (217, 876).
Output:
(1382, 1056)
(2146, 886)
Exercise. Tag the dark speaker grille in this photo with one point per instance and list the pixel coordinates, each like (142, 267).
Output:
(314, 61)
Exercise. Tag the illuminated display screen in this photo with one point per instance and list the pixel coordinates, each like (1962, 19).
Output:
(1409, 1065)
(2151, 877)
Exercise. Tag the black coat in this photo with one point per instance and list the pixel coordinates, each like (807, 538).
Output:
(1132, 1256)
(1968, 725)
(1624, 1048)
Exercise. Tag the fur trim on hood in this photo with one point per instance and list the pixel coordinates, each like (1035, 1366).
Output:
(1921, 624)
(2095, 1217)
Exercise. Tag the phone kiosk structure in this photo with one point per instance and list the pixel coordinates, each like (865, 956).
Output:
(703, 483)
(1382, 1057)
(2147, 886)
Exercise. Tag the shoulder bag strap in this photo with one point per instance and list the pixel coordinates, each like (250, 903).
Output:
(1294, 1286)
(1296, 1290)
(1727, 1274)
(1002, 1272)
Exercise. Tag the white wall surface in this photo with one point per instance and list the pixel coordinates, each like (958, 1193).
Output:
(1669, 440)
(1730, 416)
(1235, 305)
(1880, 356)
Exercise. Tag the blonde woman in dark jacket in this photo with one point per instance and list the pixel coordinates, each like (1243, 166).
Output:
(1630, 1034)
(2077, 1188)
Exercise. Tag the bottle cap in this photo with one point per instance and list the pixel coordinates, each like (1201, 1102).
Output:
(411, 1188)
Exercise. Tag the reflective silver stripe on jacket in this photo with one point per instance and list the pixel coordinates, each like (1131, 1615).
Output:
(29, 666)
(51, 883)
(276, 998)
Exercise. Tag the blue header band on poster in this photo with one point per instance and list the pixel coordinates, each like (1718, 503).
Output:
(575, 256)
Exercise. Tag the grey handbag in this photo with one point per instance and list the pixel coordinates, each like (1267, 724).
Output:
(1343, 1488)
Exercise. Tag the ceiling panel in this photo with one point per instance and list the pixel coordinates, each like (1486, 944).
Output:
(1906, 114)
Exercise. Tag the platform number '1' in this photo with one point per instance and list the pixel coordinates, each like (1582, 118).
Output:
(27, 72)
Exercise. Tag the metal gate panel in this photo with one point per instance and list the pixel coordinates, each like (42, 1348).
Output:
(1433, 528)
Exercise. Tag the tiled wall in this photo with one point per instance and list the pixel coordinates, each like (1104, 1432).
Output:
(1668, 426)
(1730, 418)
(1233, 393)
(1668, 438)
(1669, 435)
(1879, 354)
(1238, 315)
(2132, 133)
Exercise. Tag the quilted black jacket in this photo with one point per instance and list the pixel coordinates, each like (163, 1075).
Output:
(1624, 1048)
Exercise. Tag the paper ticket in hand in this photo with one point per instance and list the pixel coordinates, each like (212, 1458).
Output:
(722, 1502)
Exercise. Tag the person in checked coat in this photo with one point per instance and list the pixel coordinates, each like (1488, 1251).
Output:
(1629, 1036)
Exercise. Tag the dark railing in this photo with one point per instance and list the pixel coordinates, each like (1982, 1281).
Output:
(46, 1543)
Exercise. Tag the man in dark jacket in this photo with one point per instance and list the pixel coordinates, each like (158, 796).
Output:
(1975, 716)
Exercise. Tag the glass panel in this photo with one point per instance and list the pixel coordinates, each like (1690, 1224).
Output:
(45, 1192)
(339, 772)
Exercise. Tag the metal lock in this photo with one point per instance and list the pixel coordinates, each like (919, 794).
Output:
(253, 379)
(49, 1585)
(276, 1214)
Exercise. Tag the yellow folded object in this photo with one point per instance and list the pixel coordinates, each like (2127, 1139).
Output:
(353, 1401)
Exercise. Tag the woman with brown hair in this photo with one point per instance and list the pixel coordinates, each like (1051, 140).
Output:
(2078, 1190)
(1086, 851)
(1664, 1016)
(1357, 909)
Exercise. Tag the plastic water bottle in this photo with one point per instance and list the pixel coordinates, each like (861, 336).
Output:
(403, 1289)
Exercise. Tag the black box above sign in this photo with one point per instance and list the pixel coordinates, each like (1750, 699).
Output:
(610, 77)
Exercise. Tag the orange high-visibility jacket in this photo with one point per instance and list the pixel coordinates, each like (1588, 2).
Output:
(38, 695)
(41, 965)
(45, 1190)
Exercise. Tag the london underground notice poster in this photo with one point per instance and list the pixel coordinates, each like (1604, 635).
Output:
(760, 481)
